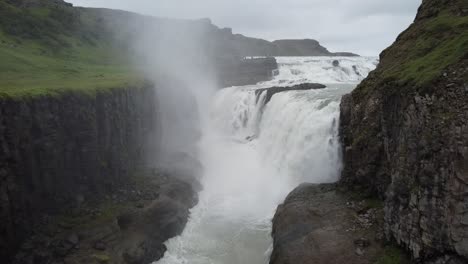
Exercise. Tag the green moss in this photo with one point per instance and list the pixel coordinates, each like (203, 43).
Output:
(440, 42)
(359, 138)
(393, 255)
(108, 211)
(374, 203)
(101, 258)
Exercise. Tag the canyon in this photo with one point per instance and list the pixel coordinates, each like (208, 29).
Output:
(133, 139)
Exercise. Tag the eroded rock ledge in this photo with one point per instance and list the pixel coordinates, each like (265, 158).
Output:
(270, 92)
(321, 224)
(128, 227)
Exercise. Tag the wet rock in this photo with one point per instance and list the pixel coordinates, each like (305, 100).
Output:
(62, 248)
(125, 220)
(100, 246)
(73, 239)
(41, 256)
(148, 228)
(270, 92)
(362, 242)
(359, 252)
(315, 224)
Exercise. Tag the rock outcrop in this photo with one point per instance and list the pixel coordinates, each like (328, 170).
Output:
(320, 224)
(405, 135)
(59, 151)
(145, 231)
(274, 90)
(128, 226)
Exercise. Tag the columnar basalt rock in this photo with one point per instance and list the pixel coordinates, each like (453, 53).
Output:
(58, 151)
(405, 136)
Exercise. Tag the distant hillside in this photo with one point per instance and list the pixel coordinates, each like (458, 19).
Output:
(49, 45)
(287, 47)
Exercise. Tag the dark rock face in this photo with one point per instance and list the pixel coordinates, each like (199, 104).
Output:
(407, 143)
(318, 224)
(58, 151)
(416, 161)
(128, 226)
(146, 230)
(274, 90)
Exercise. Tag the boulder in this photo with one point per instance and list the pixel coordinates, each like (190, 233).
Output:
(316, 224)
(146, 230)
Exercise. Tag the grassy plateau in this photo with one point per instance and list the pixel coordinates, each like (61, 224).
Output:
(47, 47)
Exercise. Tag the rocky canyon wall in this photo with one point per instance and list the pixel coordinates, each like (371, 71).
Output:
(405, 135)
(58, 151)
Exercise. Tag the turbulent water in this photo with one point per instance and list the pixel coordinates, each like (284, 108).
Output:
(255, 154)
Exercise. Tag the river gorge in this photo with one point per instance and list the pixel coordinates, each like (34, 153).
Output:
(254, 154)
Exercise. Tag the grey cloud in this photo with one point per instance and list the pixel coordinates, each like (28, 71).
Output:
(362, 26)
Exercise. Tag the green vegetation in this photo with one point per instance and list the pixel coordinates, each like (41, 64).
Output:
(50, 47)
(101, 258)
(429, 47)
(393, 255)
(108, 211)
(374, 203)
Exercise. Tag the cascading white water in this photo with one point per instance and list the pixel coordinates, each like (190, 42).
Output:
(254, 155)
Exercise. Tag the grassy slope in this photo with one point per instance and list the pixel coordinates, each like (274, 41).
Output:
(442, 41)
(50, 48)
(422, 52)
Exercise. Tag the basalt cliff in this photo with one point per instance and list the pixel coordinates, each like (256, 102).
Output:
(405, 134)
(81, 175)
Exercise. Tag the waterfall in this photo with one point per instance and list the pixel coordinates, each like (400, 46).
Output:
(255, 154)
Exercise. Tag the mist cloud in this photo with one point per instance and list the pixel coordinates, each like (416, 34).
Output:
(361, 26)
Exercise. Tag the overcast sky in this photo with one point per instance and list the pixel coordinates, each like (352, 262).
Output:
(362, 26)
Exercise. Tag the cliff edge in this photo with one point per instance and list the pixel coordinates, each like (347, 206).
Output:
(405, 135)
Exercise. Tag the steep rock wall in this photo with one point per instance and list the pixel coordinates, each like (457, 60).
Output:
(405, 135)
(57, 151)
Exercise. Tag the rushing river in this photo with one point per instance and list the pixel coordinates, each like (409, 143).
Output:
(255, 154)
